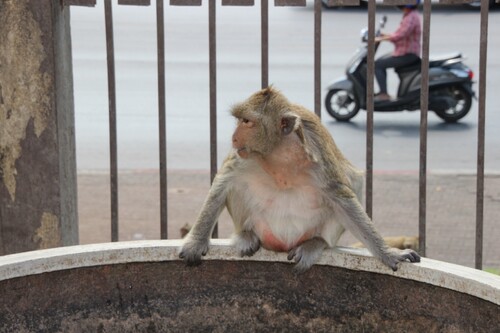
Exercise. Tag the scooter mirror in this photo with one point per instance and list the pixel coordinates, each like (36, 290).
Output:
(364, 35)
(383, 21)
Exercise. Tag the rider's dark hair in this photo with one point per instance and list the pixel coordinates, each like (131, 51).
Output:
(415, 6)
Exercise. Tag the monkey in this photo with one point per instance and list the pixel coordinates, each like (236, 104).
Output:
(399, 242)
(287, 187)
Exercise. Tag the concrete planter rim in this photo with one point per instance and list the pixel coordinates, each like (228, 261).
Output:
(446, 275)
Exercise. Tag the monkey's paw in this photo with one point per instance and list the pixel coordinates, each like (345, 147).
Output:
(395, 256)
(193, 250)
(246, 243)
(307, 254)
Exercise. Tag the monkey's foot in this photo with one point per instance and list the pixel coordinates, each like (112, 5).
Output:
(193, 250)
(307, 254)
(246, 243)
(395, 256)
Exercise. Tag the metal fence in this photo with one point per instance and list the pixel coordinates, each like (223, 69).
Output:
(264, 5)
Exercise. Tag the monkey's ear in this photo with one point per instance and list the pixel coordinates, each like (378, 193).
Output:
(300, 133)
(292, 123)
(288, 124)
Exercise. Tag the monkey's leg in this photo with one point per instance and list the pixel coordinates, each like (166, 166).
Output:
(307, 253)
(351, 214)
(197, 241)
(246, 243)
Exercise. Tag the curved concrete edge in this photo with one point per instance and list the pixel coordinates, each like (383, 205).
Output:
(455, 277)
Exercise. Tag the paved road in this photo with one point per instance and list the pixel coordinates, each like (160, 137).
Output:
(451, 147)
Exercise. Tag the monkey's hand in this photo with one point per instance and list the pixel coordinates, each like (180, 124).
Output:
(246, 243)
(193, 250)
(394, 256)
(307, 254)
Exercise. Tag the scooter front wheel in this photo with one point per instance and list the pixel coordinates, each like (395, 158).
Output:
(341, 104)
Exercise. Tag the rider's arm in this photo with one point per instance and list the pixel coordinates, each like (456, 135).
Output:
(408, 23)
(382, 37)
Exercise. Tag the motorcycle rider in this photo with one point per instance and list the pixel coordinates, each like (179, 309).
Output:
(406, 40)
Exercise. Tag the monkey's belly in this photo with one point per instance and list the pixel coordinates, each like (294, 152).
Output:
(270, 242)
(283, 223)
(282, 241)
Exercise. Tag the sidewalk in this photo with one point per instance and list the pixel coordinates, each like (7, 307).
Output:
(451, 210)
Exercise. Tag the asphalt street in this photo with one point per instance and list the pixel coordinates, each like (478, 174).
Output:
(396, 137)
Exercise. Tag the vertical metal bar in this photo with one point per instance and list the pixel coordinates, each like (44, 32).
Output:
(264, 22)
(369, 106)
(213, 94)
(424, 107)
(160, 31)
(112, 119)
(483, 51)
(317, 57)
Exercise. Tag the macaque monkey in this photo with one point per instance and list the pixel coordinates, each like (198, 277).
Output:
(287, 187)
(398, 242)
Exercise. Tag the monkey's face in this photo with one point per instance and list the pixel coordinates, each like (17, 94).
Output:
(243, 135)
(262, 123)
(260, 138)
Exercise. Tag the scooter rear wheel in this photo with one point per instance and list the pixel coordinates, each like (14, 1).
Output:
(341, 104)
(463, 104)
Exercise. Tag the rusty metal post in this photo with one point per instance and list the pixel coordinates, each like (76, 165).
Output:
(38, 206)
(317, 57)
(424, 108)
(370, 106)
(113, 155)
(264, 37)
(162, 118)
(212, 32)
(483, 52)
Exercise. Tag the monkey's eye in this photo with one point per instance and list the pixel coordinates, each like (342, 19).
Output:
(245, 122)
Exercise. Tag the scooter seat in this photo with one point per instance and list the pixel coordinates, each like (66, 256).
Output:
(409, 68)
(438, 60)
(435, 61)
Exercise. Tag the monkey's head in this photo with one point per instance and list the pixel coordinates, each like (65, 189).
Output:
(264, 119)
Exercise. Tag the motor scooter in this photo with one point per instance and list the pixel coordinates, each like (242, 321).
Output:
(450, 86)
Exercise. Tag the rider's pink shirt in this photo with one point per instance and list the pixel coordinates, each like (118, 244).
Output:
(407, 38)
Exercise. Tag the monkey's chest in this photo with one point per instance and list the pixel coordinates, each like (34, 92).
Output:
(283, 218)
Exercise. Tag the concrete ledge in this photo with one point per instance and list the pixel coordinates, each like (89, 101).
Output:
(454, 277)
(143, 287)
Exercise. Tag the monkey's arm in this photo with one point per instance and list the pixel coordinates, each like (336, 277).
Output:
(197, 241)
(352, 215)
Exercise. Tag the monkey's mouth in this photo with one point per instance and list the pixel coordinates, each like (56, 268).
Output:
(242, 152)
